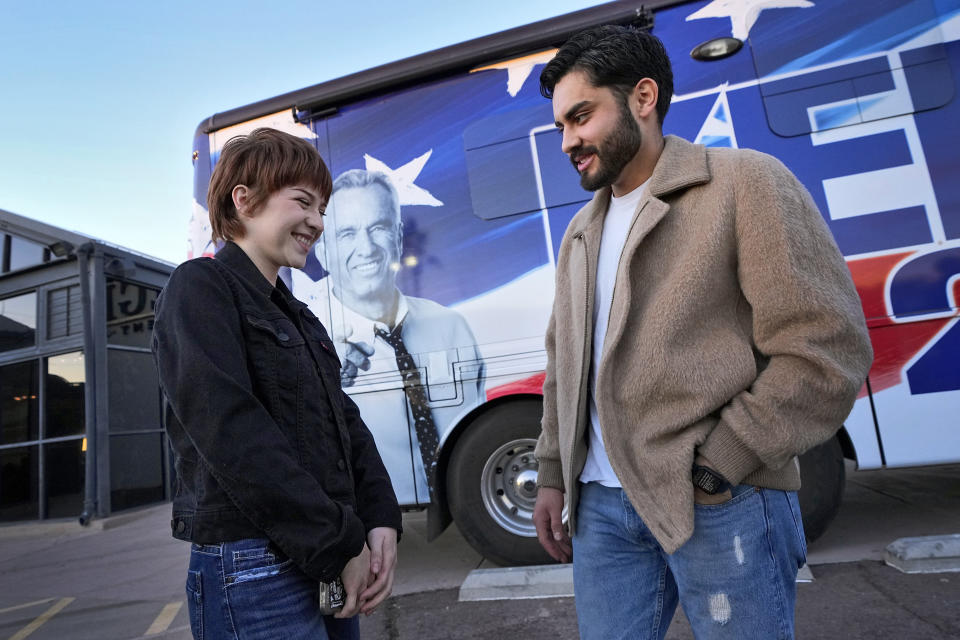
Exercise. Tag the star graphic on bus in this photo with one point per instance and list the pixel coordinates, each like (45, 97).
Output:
(519, 69)
(403, 179)
(744, 13)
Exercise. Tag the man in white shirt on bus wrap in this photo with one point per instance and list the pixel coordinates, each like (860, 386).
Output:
(377, 330)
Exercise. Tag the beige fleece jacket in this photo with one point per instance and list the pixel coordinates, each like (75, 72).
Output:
(735, 330)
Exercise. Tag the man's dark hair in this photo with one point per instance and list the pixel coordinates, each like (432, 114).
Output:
(613, 56)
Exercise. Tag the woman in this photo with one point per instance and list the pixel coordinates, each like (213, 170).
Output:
(279, 483)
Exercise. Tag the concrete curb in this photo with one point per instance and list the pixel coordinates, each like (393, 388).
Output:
(546, 581)
(61, 527)
(927, 554)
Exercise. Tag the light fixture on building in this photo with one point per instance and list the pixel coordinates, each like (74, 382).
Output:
(61, 248)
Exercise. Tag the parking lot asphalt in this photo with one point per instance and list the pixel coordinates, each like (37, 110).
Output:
(123, 577)
(856, 601)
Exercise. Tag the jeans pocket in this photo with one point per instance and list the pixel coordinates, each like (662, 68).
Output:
(257, 564)
(739, 493)
(195, 603)
(798, 526)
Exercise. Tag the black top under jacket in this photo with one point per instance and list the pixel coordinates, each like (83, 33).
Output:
(266, 442)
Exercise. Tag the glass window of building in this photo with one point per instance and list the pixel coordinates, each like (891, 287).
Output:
(18, 322)
(24, 253)
(136, 470)
(134, 391)
(130, 310)
(64, 312)
(19, 407)
(64, 395)
(63, 464)
(19, 484)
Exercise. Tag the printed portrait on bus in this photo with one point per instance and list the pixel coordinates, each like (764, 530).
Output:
(411, 365)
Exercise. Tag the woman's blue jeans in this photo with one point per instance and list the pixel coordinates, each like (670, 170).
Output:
(735, 577)
(248, 590)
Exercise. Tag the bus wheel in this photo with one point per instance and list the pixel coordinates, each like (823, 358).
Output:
(492, 484)
(822, 477)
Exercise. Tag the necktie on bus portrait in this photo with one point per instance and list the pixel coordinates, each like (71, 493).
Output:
(417, 398)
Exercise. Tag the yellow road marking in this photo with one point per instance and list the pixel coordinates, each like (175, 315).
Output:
(162, 623)
(25, 605)
(42, 618)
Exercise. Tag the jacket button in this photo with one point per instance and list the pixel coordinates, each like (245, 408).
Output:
(340, 465)
(181, 526)
(283, 336)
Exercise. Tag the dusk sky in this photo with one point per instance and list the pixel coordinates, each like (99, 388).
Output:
(99, 100)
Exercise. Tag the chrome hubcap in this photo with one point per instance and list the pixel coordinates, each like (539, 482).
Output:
(508, 486)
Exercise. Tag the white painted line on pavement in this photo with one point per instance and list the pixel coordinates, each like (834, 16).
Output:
(41, 619)
(25, 605)
(167, 614)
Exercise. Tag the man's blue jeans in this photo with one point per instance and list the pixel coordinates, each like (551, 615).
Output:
(735, 577)
(248, 590)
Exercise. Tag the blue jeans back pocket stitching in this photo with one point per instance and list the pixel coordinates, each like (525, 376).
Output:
(266, 570)
(195, 598)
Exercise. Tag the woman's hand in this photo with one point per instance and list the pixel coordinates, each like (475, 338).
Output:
(355, 576)
(383, 560)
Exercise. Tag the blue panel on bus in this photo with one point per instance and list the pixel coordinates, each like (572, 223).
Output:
(502, 179)
(942, 158)
(201, 168)
(787, 113)
(829, 76)
(825, 32)
(930, 84)
(881, 230)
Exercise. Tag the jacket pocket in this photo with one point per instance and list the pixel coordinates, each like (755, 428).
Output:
(283, 331)
(276, 351)
(276, 357)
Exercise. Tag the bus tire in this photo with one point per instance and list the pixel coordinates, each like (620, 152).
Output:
(491, 484)
(822, 478)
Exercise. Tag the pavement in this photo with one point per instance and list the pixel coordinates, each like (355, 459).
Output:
(864, 600)
(122, 578)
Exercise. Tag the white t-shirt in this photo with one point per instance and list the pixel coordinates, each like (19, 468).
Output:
(616, 226)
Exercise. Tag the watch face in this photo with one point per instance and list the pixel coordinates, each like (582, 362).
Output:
(706, 481)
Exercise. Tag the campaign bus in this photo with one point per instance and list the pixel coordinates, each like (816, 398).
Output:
(435, 273)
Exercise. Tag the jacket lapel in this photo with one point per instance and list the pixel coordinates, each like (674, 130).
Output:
(681, 165)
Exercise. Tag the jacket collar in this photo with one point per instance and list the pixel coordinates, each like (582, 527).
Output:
(237, 259)
(681, 165)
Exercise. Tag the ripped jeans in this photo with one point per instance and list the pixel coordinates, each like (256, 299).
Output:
(248, 590)
(735, 577)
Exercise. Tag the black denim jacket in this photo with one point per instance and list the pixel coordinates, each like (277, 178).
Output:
(267, 443)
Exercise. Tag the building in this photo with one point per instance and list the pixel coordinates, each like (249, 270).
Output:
(80, 426)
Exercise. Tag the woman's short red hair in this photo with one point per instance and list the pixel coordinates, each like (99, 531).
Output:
(265, 161)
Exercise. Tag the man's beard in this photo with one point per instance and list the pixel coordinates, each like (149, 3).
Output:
(613, 154)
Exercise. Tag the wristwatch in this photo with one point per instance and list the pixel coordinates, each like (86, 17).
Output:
(708, 480)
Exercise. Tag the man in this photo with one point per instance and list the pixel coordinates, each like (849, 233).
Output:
(408, 347)
(705, 332)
